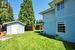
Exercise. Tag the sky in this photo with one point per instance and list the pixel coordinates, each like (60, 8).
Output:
(38, 6)
(15, 4)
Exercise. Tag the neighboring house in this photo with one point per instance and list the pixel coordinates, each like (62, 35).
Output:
(39, 24)
(13, 27)
(63, 18)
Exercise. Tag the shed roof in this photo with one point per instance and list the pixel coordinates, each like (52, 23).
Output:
(13, 22)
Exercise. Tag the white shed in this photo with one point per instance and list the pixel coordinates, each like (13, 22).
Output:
(14, 27)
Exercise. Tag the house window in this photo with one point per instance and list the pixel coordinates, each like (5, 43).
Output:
(60, 6)
(61, 27)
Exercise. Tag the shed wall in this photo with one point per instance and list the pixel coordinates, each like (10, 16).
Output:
(15, 28)
(21, 28)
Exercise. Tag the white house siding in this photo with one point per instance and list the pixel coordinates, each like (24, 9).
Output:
(49, 22)
(67, 15)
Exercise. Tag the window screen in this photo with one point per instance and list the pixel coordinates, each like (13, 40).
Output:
(61, 27)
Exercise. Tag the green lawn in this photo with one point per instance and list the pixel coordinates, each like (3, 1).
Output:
(31, 41)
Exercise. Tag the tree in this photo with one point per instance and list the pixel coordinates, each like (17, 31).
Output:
(6, 13)
(26, 14)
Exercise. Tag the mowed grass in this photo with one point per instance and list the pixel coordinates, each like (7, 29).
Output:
(31, 41)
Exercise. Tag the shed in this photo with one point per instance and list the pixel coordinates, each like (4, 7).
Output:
(14, 27)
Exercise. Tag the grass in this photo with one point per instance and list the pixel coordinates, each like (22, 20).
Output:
(31, 41)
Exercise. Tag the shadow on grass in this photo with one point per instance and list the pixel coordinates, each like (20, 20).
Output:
(68, 45)
(45, 35)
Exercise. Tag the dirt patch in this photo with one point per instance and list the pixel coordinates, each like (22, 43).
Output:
(5, 38)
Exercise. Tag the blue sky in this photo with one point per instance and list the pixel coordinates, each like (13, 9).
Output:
(38, 6)
(15, 4)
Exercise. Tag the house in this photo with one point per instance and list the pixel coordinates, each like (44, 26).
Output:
(13, 27)
(49, 21)
(59, 19)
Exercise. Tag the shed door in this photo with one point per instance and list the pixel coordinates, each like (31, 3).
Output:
(14, 29)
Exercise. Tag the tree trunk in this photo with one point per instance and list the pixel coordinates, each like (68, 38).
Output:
(33, 28)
